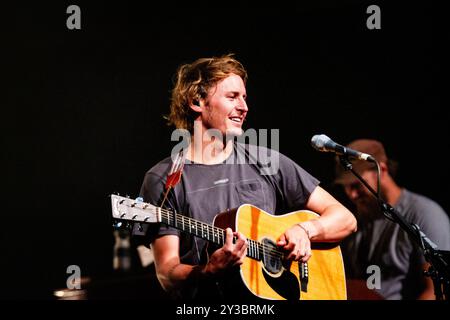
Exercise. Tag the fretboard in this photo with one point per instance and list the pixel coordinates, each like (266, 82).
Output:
(208, 232)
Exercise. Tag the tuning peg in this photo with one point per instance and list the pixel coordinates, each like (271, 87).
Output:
(117, 225)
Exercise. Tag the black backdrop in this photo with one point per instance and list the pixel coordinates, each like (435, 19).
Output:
(82, 110)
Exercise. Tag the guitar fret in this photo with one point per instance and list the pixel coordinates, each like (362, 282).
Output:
(205, 235)
(211, 229)
(174, 217)
(218, 236)
(166, 218)
(198, 228)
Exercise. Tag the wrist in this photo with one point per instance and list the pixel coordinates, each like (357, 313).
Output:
(310, 228)
(204, 271)
(304, 229)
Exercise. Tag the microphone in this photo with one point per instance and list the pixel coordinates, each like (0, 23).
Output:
(323, 143)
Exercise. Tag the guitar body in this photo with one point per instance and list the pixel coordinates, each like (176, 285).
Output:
(270, 278)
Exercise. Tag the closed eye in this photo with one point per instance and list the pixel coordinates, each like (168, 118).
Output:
(234, 95)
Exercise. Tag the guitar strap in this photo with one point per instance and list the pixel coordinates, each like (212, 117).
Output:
(173, 178)
(174, 174)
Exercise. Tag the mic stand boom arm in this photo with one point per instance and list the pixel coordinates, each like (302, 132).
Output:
(439, 260)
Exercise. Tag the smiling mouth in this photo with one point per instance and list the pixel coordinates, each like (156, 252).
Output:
(236, 119)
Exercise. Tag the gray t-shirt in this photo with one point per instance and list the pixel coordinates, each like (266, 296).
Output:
(384, 243)
(206, 190)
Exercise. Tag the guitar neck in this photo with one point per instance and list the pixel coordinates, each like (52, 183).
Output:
(129, 210)
(207, 232)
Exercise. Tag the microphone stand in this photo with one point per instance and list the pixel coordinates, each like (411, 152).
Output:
(439, 260)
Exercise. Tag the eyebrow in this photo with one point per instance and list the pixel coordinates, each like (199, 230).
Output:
(235, 93)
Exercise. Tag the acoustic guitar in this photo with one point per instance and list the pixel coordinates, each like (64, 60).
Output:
(264, 272)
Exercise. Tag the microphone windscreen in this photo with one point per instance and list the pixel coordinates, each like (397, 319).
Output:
(319, 141)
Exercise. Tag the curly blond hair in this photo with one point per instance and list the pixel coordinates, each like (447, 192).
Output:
(193, 81)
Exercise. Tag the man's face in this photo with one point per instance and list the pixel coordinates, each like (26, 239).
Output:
(226, 106)
(365, 202)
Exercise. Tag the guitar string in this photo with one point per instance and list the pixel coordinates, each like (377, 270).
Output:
(210, 232)
(179, 218)
(270, 251)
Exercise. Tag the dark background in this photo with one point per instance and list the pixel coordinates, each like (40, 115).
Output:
(82, 109)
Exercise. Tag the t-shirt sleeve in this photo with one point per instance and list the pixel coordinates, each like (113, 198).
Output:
(435, 223)
(295, 183)
(152, 191)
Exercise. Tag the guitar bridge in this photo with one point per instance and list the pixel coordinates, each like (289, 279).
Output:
(303, 276)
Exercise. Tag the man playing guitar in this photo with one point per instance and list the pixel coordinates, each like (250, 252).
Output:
(209, 101)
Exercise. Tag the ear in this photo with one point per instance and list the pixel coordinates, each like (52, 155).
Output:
(196, 105)
(384, 168)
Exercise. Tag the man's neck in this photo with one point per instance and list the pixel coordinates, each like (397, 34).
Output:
(392, 192)
(209, 151)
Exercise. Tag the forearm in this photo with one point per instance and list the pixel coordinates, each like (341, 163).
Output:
(335, 221)
(333, 225)
(176, 275)
(171, 273)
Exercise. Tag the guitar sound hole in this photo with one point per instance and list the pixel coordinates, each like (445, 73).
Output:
(271, 257)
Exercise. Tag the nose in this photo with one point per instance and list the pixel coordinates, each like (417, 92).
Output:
(352, 193)
(242, 105)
